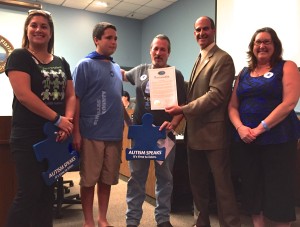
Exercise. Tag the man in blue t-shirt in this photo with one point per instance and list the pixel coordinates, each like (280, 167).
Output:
(98, 122)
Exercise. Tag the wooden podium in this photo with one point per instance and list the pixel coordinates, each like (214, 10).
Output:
(7, 170)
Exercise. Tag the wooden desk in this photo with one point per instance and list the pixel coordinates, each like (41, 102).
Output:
(7, 169)
(124, 168)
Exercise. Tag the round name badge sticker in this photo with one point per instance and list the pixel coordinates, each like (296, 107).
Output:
(143, 77)
(268, 75)
(161, 73)
(157, 102)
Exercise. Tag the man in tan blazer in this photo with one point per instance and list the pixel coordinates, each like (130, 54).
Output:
(207, 128)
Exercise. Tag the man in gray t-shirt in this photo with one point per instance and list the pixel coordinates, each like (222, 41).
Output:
(138, 76)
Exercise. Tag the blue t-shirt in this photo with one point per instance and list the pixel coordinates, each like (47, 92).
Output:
(98, 85)
(258, 97)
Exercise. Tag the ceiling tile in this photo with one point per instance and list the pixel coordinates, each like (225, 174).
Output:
(127, 6)
(112, 3)
(138, 2)
(97, 9)
(54, 2)
(158, 4)
(147, 10)
(82, 4)
(136, 9)
(138, 16)
(118, 12)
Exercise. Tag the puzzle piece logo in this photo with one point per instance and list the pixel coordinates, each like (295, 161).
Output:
(145, 138)
(60, 155)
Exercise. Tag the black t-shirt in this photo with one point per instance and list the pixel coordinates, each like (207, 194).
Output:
(48, 82)
(139, 77)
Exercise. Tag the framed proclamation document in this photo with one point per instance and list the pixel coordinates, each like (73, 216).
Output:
(163, 90)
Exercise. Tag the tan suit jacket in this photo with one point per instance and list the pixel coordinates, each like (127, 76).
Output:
(208, 94)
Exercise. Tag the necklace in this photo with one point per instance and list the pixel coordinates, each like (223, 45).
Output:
(260, 71)
(35, 54)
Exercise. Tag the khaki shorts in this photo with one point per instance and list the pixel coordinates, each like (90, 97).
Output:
(99, 162)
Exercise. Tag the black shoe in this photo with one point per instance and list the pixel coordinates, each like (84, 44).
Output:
(131, 225)
(165, 224)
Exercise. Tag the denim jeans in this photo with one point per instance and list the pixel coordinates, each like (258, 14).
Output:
(163, 189)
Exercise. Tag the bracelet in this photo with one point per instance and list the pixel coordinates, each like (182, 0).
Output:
(237, 128)
(264, 124)
(57, 119)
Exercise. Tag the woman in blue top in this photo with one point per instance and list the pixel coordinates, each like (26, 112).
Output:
(267, 129)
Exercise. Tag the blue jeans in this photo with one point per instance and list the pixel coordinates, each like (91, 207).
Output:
(163, 189)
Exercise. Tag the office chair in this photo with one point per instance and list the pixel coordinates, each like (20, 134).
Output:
(61, 190)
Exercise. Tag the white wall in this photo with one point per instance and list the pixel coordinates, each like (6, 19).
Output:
(237, 20)
(15, 38)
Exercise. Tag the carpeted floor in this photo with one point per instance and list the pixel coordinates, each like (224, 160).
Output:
(72, 214)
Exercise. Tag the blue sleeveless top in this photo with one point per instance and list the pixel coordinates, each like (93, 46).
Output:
(258, 97)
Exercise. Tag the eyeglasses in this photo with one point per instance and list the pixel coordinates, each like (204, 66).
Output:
(39, 11)
(265, 42)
